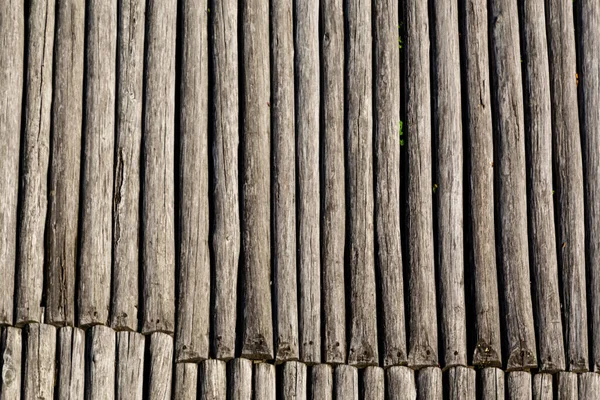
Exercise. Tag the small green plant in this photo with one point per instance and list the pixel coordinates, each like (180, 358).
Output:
(400, 43)
(401, 133)
(435, 187)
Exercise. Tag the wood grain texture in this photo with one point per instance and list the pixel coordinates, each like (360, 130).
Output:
(492, 383)
(160, 367)
(65, 149)
(542, 387)
(589, 385)
(333, 222)
(240, 379)
(479, 152)
(257, 335)
(264, 381)
(307, 90)
(294, 383)
(321, 382)
(127, 178)
(511, 196)
(100, 363)
(568, 165)
(567, 386)
(429, 383)
(10, 362)
(362, 349)
(70, 362)
(400, 383)
(129, 366)
(461, 382)
(193, 303)
(186, 381)
(373, 384)
(538, 128)
(346, 382)
(34, 162)
(213, 380)
(518, 385)
(39, 354)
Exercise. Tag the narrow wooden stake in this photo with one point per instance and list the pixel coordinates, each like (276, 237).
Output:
(567, 386)
(429, 383)
(100, 363)
(373, 382)
(70, 359)
(480, 163)
(264, 381)
(130, 366)
(346, 382)
(39, 371)
(321, 384)
(240, 379)
(492, 383)
(333, 227)
(568, 165)
(36, 155)
(400, 383)
(518, 384)
(294, 380)
(284, 181)
(193, 305)
(461, 382)
(158, 181)
(542, 387)
(213, 380)
(65, 148)
(257, 335)
(186, 381)
(128, 145)
(589, 385)
(10, 362)
(160, 367)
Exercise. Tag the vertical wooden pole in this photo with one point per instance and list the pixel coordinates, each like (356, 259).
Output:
(321, 384)
(129, 366)
(39, 353)
(294, 381)
(492, 383)
(589, 385)
(10, 362)
(429, 383)
(461, 382)
(264, 381)
(542, 387)
(240, 379)
(346, 382)
(518, 385)
(213, 380)
(567, 386)
(70, 359)
(160, 367)
(186, 381)
(373, 382)
(100, 363)
(400, 383)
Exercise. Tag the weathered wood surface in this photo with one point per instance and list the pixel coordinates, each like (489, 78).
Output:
(284, 181)
(333, 226)
(306, 69)
(160, 368)
(34, 162)
(193, 303)
(240, 379)
(429, 383)
(128, 145)
(386, 110)
(511, 197)
(213, 380)
(423, 338)
(39, 362)
(321, 382)
(373, 383)
(129, 367)
(101, 361)
(359, 151)
(479, 161)
(65, 149)
(186, 381)
(461, 383)
(567, 386)
(492, 383)
(400, 383)
(542, 387)
(538, 128)
(568, 165)
(11, 341)
(518, 385)
(264, 386)
(257, 335)
(294, 383)
(346, 382)
(589, 385)
(70, 363)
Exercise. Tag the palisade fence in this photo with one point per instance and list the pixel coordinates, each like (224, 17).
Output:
(307, 199)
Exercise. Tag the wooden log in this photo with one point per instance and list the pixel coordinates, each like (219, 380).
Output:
(70, 359)
(400, 383)
(130, 366)
(226, 234)
(284, 181)
(511, 181)
(39, 371)
(128, 144)
(387, 180)
(294, 380)
(538, 125)
(429, 383)
(568, 165)
(461, 382)
(12, 36)
(213, 380)
(100, 360)
(373, 385)
(240, 379)
(492, 383)
(333, 226)
(542, 386)
(589, 385)
(321, 382)
(158, 181)
(479, 161)
(264, 381)
(422, 346)
(346, 382)
(10, 362)
(567, 385)
(186, 381)
(65, 148)
(35, 160)
(257, 336)
(306, 69)
(160, 367)
(363, 349)
(193, 305)
(518, 385)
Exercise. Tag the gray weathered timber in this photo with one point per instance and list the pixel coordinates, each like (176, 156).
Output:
(400, 383)
(128, 145)
(422, 334)
(257, 335)
(160, 367)
(588, 20)
(448, 176)
(567, 386)
(387, 180)
(213, 380)
(306, 69)
(321, 382)
(70, 362)
(158, 163)
(538, 128)
(429, 383)
(568, 165)
(542, 385)
(264, 381)
(193, 303)
(95, 251)
(100, 363)
(518, 385)
(461, 382)
(129, 366)
(240, 379)
(480, 163)
(65, 149)
(294, 381)
(34, 163)
(39, 358)
(346, 382)
(333, 226)
(492, 383)
(284, 181)
(373, 384)
(362, 349)
(226, 235)
(10, 362)
(511, 181)
(186, 381)
(12, 38)
(589, 385)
